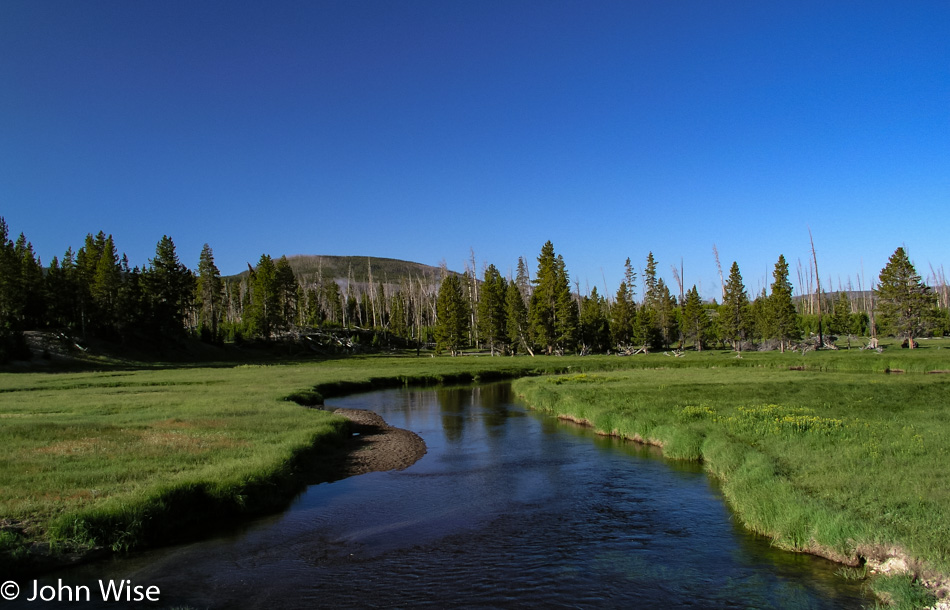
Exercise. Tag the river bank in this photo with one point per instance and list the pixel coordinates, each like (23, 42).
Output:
(367, 444)
(508, 509)
(844, 479)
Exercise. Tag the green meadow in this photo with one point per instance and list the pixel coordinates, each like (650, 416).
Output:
(843, 452)
(130, 458)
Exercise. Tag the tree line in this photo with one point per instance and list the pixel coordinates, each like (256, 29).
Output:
(93, 292)
(544, 314)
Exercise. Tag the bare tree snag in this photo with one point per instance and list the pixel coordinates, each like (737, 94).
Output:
(814, 257)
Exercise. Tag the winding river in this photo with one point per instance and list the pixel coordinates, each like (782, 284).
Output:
(508, 509)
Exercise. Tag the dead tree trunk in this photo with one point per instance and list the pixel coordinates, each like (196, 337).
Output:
(814, 257)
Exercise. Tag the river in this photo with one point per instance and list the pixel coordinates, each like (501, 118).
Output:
(508, 509)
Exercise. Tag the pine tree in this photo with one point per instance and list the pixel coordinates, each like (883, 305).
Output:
(666, 310)
(544, 299)
(622, 316)
(566, 314)
(733, 313)
(134, 304)
(783, 318)
(491, 308)
(452, 315)
(647, 330)
(695, 322)
(594, 327)
(209, 296)
(630, 279)
(516, 319)
(523, 281)
(262, 314)
(12, 300)
(904, 301)
(760, 318)
(841, 317)
(171, 288)
(288, 294)
(553, 311)
(87, 258)
(333, 303)
(399, 315)
(31, 285)
(106, 282)
(650, 281)
(62, 287)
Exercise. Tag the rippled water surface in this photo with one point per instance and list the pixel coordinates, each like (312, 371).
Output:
(507, 509)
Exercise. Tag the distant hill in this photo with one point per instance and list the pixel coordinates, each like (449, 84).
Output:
(357, 269)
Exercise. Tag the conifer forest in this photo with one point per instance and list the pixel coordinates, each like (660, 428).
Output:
(92, 292)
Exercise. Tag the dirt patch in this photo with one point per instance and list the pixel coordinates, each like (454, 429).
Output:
(376, 446)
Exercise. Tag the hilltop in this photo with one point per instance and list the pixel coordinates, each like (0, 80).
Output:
(358, 269)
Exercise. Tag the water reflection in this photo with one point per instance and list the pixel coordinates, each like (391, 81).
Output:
(508, 509)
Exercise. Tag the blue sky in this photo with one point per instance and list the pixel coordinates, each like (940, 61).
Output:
(423, 130)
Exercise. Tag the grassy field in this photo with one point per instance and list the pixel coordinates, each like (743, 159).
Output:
(835, 453)
(838, 458)
(131, 458)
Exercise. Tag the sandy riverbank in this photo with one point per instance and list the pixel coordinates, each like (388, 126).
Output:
(376, 446)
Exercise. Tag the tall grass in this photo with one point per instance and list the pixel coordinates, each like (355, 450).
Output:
(822, 460)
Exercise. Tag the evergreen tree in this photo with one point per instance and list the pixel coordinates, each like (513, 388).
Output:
(262, 314)
(695, 323)
(841, 315)
(733, 313)
(12, 300)
(904, 301)
(288, 294)
(666, 310)
(62, 288)
(544, 299)
(630, 279)
(134, 305)
(491, 309)
(87, 258)
(523, 281)
(31, 285)
(622, 316)
(783, 318)
(8, 275)
(516, 319)
(760, 318)
(399, 315)
(313, 313)
(171, 288)
(55, 286)
(647, 327)
(333, 303)
(553, 311)
(566, 314)
(650, 281)
(209, 296)
(106, 282)
(452, 315)
(594, 327)
(646, 333)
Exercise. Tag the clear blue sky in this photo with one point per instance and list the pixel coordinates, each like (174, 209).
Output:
(423, 129)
